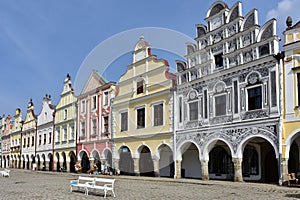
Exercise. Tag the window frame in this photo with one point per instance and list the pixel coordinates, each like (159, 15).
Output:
(137, 109)
(124, 126)
(224, 113)
(261, 96)
(162, 121)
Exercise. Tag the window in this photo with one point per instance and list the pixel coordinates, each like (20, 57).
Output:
(220, 105)
(82, 106)
(72, 132)
(124, 121)
(140, 118)
(250, 161)
(94, 102)
(180, 109)
(254, 98)
(65, 114)
(220, 162)
(140, 87)
(94, 128)
(158, 115)
(105, 124)
(50, 137)
(218, 61)
(105, 98)
(82, 133)
(273, 89)
(45, 138)
(40, 139)
(205, 105)
(65, 133)
(193, 110)
(235, 93)
(24, 144)
(28, 141)
(298, 87)
(57, 132)
(32, 141)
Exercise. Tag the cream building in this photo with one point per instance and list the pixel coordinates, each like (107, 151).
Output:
(65, 129)
(142, 116)
(291, 100)
(15, 140)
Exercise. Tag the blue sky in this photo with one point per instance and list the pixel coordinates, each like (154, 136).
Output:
(41, 41)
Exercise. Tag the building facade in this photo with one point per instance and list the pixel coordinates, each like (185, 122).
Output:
(45, 123)
(15, 140)
(94, 140)
(291, 100)
(6, 142)
(142, 116)
(65, 129)
(2, 122)
(29, 135)
(227, 99)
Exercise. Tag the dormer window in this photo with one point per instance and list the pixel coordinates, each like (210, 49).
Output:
(140, 87)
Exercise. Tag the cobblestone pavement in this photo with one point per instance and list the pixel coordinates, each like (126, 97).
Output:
(25, 184)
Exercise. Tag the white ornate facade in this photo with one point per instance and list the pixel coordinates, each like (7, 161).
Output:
(44, 147)
(227, 104)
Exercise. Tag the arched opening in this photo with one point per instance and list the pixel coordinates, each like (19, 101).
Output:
(19, 161)
(85, 162)
(126, 162)
(38, 162)
(146, 165)
(108, 161)
(57, 162)
(293, 158)
(50, 157)
(250, 164)
(7, 164)
(43, 162)
(220, 164)
(72, 161)
(166, 162)
(259, 161)
(27, 162)
(97, 160)
(64, 165)
(23, 162)
(190, 164)
(4, 162)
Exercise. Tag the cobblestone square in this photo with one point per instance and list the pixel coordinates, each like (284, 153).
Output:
(24, 184)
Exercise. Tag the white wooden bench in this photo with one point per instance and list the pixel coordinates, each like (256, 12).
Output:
(5, 173)
(104, 184)
(81, 182)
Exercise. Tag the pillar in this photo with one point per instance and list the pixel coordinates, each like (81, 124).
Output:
(238, 175)
(136, 168)
(285, 171)
(178, 169)
(116, 168)
(156, 167)
(204, 170)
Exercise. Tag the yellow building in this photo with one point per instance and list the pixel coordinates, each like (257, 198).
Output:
(65, 129)
(291, 100)
(15, 140)
(142, 116)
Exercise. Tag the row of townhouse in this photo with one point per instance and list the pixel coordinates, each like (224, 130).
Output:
(230, 112)
(48, 141)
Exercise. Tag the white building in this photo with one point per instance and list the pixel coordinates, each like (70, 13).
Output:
(227, 104)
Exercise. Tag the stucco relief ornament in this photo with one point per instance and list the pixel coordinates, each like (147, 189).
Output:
(253, 78)
(219, 88)
(254, 130)
(192, 95)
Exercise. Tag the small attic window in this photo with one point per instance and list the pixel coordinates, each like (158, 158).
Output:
(140, 87)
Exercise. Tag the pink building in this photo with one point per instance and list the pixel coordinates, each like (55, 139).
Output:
(93, 115)
(6, 142)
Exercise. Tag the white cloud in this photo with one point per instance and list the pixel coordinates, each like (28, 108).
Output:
(283, 9)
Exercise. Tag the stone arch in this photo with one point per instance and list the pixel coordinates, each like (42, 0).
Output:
(72, 157)
(289, 140)
(146, 165)
(215, 8)
(249, 20)
(57, 156)
(243, 143)
(189, 154)
(166, 160)
(184, 146)
(234, 12)
(126, 164)
(268, 30)
(210, 145)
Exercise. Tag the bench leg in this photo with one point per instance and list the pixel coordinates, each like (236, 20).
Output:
(113, 193)
(105, 191)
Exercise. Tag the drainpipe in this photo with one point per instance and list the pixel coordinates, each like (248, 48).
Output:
(112, 134)
(174, 132)
(279, 57)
